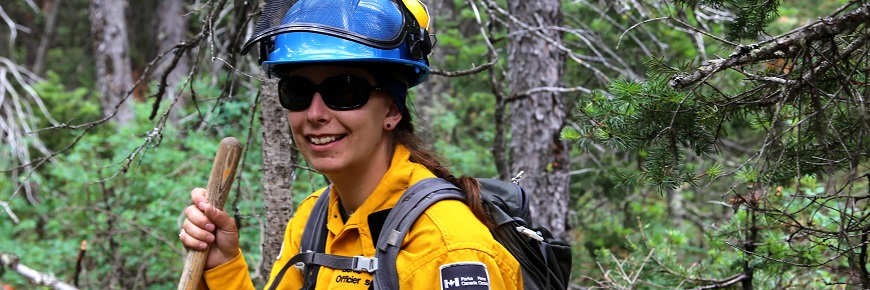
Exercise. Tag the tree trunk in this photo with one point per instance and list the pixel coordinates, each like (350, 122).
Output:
(112, 58)
(279, 160)
(537, 118)
(676, 207)
(172, 29)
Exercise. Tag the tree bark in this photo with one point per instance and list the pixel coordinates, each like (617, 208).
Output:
(537, 118)
(111, 51)
(279, 160)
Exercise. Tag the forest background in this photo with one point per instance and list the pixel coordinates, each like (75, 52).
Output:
(676, 144)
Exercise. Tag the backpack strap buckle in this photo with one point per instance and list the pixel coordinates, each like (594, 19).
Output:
(530, 233)
(364, 264)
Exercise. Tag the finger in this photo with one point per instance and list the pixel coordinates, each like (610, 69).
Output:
(221, 219)
(198, 218)
(189, 242)
(196, 232)
(195, 237)
(198, 195)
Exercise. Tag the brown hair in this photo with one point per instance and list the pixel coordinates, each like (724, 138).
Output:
(421, 153)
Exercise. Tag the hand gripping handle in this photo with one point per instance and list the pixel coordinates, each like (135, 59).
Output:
(223, 172)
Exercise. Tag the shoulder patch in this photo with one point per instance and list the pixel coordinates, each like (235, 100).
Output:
(464, 276)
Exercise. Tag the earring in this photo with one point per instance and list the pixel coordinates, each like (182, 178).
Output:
(389, 125)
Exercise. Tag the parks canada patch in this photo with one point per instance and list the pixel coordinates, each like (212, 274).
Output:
(464, 276)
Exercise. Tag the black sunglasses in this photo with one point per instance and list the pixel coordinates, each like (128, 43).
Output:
(338, 93)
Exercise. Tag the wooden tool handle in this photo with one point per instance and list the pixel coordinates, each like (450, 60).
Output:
(223, 171)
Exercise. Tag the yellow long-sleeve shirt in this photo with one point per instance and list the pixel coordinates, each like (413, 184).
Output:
(442, 250)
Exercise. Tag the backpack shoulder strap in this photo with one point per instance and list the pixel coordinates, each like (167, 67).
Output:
(313, 241)
(410, 206)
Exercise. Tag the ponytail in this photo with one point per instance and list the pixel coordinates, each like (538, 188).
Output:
(422, 154)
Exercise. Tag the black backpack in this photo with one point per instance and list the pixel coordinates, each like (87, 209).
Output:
(545, 260)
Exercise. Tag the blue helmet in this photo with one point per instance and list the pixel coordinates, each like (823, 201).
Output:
(389, 32)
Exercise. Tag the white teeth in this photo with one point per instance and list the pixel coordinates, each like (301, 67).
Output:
(323, 140)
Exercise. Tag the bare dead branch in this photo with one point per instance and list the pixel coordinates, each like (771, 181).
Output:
(825, 262)
(471, 71)
(556, 89)
(8, 210)
(11, 261)
(683, 25)
(724, 283)
(619, 41)
(616, 24)
(539, 32)
(82, 251)
(781, 47)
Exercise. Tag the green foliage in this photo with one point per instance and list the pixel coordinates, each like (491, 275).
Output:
(467, 135)
(653, 118)
(732, 176)
(656, 252)
(75, 106)
(460, 122)
(669, 188)
(121, 194)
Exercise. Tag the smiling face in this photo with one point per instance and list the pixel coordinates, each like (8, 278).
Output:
(338, 143)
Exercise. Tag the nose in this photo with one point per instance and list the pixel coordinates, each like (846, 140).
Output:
(317, 112)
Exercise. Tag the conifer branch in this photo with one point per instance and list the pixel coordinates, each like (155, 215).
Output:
(783, 47)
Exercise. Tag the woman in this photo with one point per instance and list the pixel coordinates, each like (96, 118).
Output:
(345, 68)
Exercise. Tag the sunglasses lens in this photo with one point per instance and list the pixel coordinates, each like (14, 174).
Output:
(295, 93)
(338, 93)
(345, 92)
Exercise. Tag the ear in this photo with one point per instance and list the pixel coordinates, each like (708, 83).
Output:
(394, 115)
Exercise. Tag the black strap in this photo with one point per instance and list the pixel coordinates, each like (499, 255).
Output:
(315, 227)
(313, 237)
(356, 263)
(413, 203)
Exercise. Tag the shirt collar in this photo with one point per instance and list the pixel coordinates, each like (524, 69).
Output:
(401, 175)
